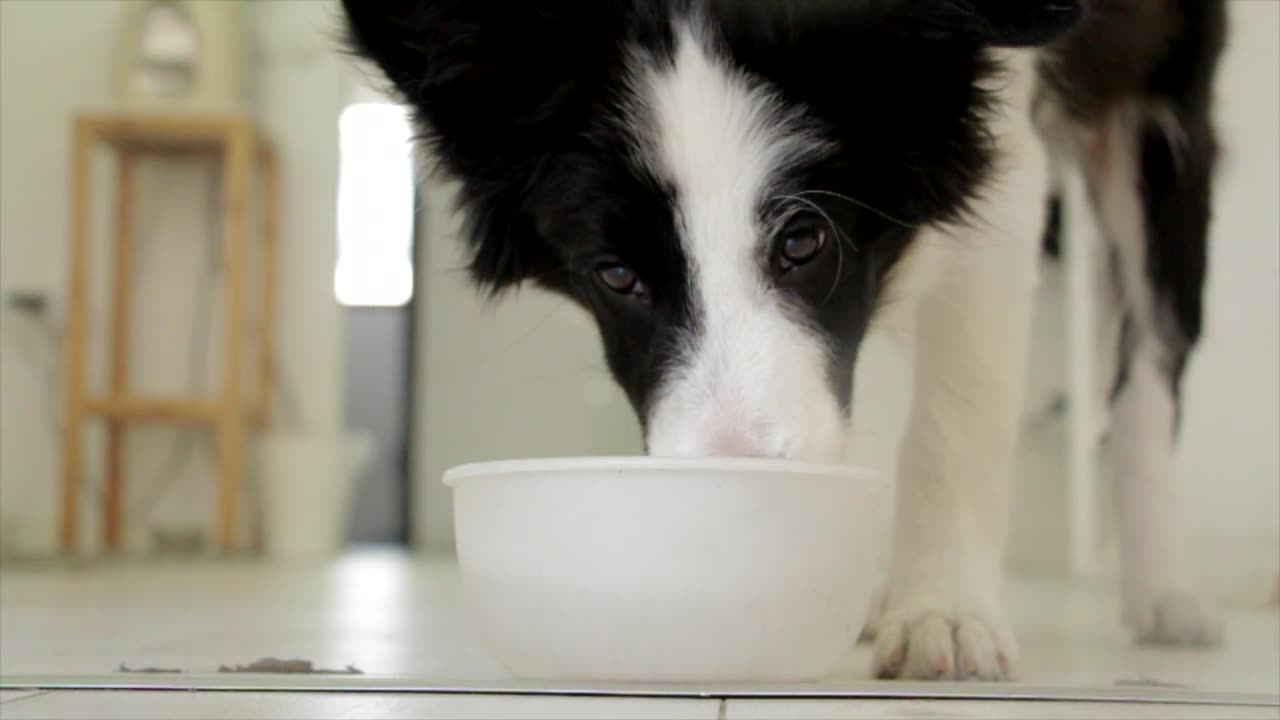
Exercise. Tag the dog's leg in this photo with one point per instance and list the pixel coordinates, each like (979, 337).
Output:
(943, 611)
(943, 614)
(1150, 177)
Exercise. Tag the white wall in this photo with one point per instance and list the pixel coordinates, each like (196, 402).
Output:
(1229, 459)
(55, 59)
(71, 42)
(299, 89)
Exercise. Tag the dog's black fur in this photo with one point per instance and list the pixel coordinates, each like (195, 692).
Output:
(520, 102)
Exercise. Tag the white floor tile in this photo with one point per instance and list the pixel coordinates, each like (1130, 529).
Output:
(385, 614)
(69, 705)
(391, 615)
(982, 709)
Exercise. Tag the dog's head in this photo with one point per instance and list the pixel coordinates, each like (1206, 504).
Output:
(725, 185)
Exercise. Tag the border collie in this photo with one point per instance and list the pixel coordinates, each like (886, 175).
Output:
(738, 191)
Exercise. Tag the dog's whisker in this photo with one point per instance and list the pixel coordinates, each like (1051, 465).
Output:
(835, 282)
(862, 205)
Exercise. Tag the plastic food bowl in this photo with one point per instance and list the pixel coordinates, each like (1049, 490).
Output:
(667, 570)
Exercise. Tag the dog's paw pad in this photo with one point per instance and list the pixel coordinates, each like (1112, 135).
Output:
(1177, 618)
(941, 646)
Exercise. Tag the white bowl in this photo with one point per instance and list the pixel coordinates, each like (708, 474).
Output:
(645, 569)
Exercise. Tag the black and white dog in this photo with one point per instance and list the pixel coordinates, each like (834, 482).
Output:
(739, 190)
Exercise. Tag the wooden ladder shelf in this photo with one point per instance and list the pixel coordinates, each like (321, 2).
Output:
(242, 152)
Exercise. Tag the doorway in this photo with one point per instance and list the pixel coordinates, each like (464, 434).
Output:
(374, 282)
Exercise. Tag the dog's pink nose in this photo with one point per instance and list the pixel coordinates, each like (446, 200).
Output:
(734, 444)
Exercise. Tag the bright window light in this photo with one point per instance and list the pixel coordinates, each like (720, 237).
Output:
(375, 207)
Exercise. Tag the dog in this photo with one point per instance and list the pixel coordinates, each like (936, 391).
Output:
(739, 191)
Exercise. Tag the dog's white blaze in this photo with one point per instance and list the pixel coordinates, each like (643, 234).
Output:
(753, 379)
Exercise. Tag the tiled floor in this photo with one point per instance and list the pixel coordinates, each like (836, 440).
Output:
(400, 621)
(273, 705)
(67, 705)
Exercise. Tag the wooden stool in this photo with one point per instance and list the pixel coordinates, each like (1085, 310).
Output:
(233, 140)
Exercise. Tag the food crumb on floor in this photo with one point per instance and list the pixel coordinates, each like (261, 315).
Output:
(276, 665)
(147, 670)
(265, 665)
(1144, 681)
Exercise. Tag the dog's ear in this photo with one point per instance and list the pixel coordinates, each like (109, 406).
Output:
(495, 88)
(996, 23)
(1000, 23)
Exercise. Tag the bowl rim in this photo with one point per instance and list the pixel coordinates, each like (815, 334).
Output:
(716, 465)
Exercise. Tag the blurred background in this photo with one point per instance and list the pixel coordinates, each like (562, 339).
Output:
(387, 368)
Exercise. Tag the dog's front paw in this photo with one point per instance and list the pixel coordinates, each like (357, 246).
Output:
(1176, 617)
(943, 645)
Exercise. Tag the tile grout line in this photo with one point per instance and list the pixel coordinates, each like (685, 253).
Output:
(722, 711)
(28, 696)
(854, 690)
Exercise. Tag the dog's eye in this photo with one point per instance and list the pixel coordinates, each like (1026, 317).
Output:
(620, 279)
(801, 246)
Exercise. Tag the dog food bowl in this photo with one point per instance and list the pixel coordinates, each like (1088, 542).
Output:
(646, 569)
